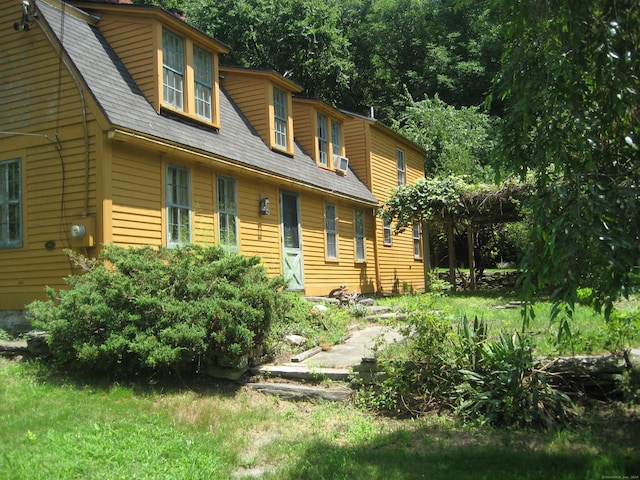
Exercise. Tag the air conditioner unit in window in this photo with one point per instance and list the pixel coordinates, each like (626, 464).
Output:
(341, 164)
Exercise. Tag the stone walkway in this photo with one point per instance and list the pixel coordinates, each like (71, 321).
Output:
(338, 362)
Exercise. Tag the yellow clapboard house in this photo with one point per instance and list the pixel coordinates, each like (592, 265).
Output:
(117, 125)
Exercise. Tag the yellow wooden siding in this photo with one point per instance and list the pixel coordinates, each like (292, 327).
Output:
(322, 274)
(355, 136)
(251, 96)
(40, 105)
(136, 197)
(259, 234)
(399, 271)
(203, 205)
(134, 42)
(304, 127)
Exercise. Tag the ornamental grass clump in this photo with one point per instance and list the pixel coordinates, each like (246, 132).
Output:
(149, 310)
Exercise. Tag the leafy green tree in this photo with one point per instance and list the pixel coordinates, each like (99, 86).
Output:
(425, 48)
(570, 84)
(302, 36)
(458, 141)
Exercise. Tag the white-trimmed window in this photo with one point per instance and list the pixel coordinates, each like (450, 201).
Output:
(203, 81)
(359, 232)
(323, 144)
(280, 117)
(417, 243)
(227, 214)
(387, 238)
(331, 230)
(178, 206)
(173, 70)
(402, 177)
(10, 204)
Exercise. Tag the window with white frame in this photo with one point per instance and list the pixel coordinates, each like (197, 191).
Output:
(173, 70)
(280, 117)
(387, 238)
(402, 177)
(323, 144)
(10, 204)
(417, 243)
(360, 238)
(331, 230)
(178, 206)
(227, 214)
(203, 81)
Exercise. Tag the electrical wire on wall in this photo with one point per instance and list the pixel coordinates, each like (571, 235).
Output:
(62, 66)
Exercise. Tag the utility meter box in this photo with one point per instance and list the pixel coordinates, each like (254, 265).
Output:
(82, 232)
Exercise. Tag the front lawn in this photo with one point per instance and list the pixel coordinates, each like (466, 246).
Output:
(55, 427)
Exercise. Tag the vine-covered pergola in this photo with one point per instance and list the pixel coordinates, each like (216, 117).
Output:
(452, 201)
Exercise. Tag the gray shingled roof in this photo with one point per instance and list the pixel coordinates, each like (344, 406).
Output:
(125, 106)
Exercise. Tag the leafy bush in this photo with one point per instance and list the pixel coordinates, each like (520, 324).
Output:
(158, 309)
(421, 374)
(506, 389)
(493, 381)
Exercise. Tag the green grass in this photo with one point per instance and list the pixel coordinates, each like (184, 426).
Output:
(590, 332)
(53, 427)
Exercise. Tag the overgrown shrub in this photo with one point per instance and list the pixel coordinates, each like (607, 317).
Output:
(421, 374)
(143, 310)
(506, 388)
(493, 381)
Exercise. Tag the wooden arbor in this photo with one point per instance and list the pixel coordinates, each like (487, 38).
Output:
(483, 206)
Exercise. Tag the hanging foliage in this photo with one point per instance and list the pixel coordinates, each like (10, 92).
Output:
(437, 199)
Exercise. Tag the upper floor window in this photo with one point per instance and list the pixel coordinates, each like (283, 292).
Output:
(10, 204)
(402, 177)
(227, 214)
(331, 230)
(359, 235)
(203, 79)
(280, 117)
(417, 244)
(188, 81)
(178, 206)
(336, 137)
(173, 70)
(323, 145)
(386, 232)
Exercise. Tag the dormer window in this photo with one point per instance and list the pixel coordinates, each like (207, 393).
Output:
(187, 77)
(173, 70)
(336, 137)
(280, 118)
(323, 144)
(203, 78)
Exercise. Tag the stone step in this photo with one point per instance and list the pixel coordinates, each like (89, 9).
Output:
(291, 391)
(303, 372)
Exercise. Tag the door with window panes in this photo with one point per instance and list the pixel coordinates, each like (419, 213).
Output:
(291, 241)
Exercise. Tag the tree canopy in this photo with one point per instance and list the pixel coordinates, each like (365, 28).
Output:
(358, 54)
(569, 82)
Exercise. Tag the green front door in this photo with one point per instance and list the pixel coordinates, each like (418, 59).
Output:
(291, 241)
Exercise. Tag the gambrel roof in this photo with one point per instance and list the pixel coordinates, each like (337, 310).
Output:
(126, 109)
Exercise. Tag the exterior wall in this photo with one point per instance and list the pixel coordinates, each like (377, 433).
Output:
(251, 94)
(134, 41)
(322, 274)
(136, 197)
(372, 155)
(305, 125)
(357, 141)
(43, 126)
(399, 271)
